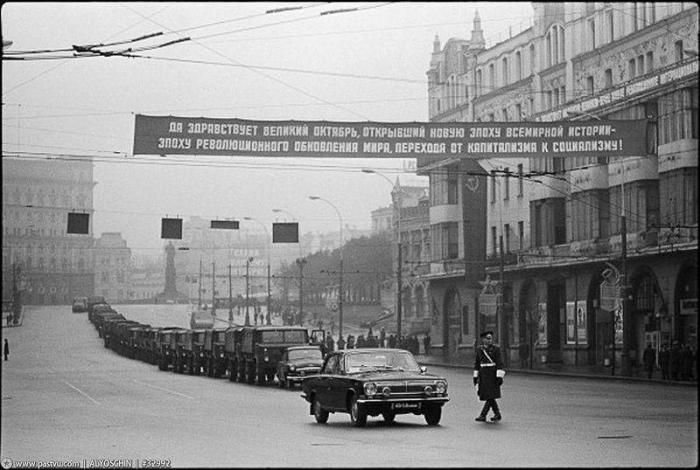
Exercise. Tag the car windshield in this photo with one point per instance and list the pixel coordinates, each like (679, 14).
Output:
(309, 354)
(381, 360)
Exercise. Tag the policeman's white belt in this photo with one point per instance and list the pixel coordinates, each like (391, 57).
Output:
(487, 365)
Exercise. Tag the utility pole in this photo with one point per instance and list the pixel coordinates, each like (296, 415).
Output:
(500, 314)
(230, 296)
(301, 262)
(624, 304)
(247, 315)
(213, 288)
(199, 295)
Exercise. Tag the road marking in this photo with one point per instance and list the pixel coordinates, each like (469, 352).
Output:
(164, 389)
(82, 393)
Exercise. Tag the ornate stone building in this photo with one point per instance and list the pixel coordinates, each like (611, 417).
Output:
(113, 268)
(560, 219)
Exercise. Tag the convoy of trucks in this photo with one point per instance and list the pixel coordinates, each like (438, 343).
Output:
(246, 353)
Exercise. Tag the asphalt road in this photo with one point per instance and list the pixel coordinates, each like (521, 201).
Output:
(65, 398)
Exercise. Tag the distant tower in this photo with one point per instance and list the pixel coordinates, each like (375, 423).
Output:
(170, 291)
(477, 38)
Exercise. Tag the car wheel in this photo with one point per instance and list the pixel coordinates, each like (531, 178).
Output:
(389, 417)
(320, 414)
(432, 415)
(358, 415)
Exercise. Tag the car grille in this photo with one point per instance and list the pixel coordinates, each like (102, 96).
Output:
(406, 387)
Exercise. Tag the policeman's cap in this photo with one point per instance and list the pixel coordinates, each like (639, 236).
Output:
(486, 333)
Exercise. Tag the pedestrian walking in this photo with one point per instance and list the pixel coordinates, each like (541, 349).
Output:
(426, 343)
(664, 361)
(6, 349)
(351, 342)
(649, 359)
(488, 376)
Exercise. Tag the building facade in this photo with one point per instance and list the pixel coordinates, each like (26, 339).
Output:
(555, 226)
(37, 196)
(113, 268)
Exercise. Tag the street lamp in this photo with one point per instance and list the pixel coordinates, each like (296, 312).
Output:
(247, 267)
(626, 307)
(340, 283)
(267, 237)
(399, 300)
(301, 262)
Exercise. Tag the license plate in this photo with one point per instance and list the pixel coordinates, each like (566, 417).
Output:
(405, 406)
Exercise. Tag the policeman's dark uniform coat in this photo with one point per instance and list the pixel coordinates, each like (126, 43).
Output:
(487, 372)
(488, 376)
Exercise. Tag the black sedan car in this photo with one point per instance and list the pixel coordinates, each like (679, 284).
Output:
(298, 362)
(374, 381)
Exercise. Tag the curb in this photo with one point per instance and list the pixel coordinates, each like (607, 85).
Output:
(693, 383)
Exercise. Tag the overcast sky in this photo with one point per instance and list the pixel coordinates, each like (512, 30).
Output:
(368, 64)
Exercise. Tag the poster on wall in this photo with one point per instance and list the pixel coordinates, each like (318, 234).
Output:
(581, 322)
(570, 322)
(542, 325)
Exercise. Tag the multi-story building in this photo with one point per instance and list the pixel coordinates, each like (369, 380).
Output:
(37, 197)
(113, 268)
(412, 222)
(561, 220)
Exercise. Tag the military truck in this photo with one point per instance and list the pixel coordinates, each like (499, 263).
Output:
(148, 344)
(214, 361)
(165, 355)
(110, 331)
(193, 350)
(177, 343)
(232, 346)
(262, 348)
(101, 317)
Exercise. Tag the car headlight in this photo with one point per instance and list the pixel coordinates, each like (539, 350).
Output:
(441, 386)
(386, 391)
(370, 388)
(292, 368)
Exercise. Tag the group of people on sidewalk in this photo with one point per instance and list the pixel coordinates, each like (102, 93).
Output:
(678, 362)
(410, 343)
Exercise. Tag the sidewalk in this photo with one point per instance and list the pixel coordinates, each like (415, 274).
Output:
(584, 371)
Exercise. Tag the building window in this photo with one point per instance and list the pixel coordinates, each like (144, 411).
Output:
(492, 117)
(640, 65)
(479, 83)
(548, 97)
(506, 72)
(650, 61)
(631, 69)
(532, 59)
(518, 66)
(611, 25)
(505, 115)
(492, 78)
(506, 185)
(494, 241)
(591, 33)
(506, 238)
(520, 180)
(521, 235)
(548, 45)
(465, 320)
(608, 78)
(678, 113)
(518, 112)
(493, 186)
(678, 47)
(589, 85)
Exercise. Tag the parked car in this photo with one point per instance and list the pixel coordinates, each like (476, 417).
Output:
(298, 362)
(80, 304)
(373, 381)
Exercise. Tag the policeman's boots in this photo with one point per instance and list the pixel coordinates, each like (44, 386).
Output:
(484, 410)
(496, 412)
